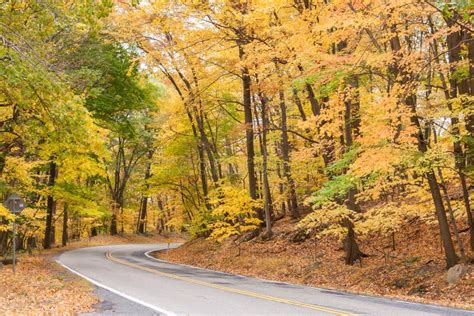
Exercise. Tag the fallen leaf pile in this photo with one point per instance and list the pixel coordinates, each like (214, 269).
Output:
(41, 286)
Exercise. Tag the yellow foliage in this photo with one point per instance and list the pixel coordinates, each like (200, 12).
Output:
(329, 220)
(234, 212)
(4, 213)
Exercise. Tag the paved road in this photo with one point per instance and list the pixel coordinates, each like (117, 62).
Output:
(113, 304)
(171, 289)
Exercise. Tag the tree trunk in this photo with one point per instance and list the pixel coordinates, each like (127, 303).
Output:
(65, 222)
(160, 223)
(351, 127)
(249, 135)
(467, 206)
(232, 171)
(268, 204)
(143, 215)
(203, 175)
(281, 187)
(53, 225)
(347, 123)
(117, 208)
(3, 239)
(50, 207)
(351, 249)
(315, 107)
(197, 108)
(450, 254)
(113, 222)
(144, 202)
(206, 145)
(202, 161)
(3, 156)
(451, 215)
(285, 150)
(299, 105)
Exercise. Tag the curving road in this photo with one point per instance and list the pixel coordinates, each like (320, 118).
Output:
(171, 289)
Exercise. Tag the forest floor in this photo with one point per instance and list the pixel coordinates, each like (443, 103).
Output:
(42, 286)
(414, 270)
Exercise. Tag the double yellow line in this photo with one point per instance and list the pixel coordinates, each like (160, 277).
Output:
(109, 256)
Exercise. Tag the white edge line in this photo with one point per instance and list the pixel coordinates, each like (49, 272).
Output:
(128, 297)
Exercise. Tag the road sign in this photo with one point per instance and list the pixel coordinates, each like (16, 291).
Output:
(14, 203)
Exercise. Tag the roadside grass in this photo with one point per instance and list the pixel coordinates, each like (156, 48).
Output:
(43, 287)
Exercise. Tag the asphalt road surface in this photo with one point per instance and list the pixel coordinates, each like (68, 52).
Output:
(172, 289)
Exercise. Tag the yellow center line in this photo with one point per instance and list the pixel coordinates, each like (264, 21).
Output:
(229, 289)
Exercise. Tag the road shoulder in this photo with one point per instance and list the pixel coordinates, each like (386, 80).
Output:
(113, 304)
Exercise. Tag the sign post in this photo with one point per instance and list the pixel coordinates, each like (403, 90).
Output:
(14, 245)
(15, 205)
